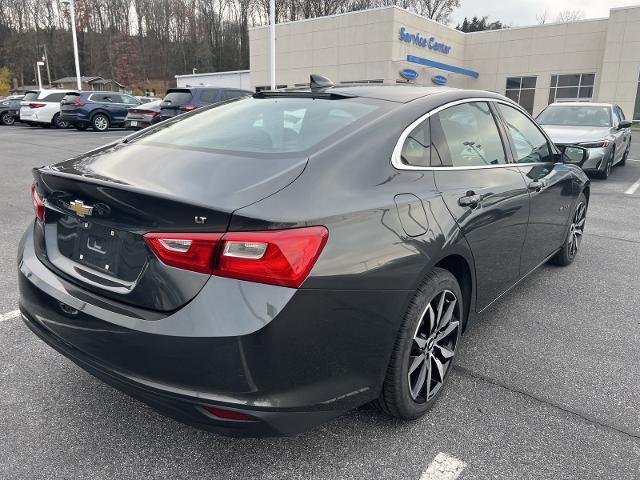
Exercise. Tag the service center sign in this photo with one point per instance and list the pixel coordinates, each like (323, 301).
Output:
(424, 42)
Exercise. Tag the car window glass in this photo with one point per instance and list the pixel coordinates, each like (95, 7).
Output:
(30, 96)
(103, 98)
(53, 97)
(576, 116)
(415, 150)
(530, 144)
(129, 100)
(471, 135)
(266, 125)
(209, 96)
(178, 97)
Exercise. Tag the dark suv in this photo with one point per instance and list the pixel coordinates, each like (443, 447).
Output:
(181, 100)
(98, 110)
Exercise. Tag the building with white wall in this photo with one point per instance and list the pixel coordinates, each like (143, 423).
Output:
(589, 60)
(232, 79)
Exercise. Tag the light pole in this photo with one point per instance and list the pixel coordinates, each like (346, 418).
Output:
(272, 35)
(38, 65)
(72, 14)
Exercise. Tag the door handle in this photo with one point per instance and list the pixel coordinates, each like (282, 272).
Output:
(470, 200)
(537, 185)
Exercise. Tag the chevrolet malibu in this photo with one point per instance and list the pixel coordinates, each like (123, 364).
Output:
(262, 266)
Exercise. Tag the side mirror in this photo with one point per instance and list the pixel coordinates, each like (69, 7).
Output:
(574, 155)
(624, 124)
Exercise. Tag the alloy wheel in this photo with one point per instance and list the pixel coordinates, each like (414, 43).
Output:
(101, 122)
(433, 346)
(577, 228)
(8, 119)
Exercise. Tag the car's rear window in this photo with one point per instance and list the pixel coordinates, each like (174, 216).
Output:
(70, 97)
(267, 125)
(178, 98)
(30, 96)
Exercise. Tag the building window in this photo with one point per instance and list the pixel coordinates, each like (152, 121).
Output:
(522, 90)
(575, 87)
(636, 110)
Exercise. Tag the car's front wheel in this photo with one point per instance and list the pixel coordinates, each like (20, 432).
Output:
(604, 173)
(100, 123)
(567, 254)
(7, 119)
(424, 349)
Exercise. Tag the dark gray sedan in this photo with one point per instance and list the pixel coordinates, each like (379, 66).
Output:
(599, 127)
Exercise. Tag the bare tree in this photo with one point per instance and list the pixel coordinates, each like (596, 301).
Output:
(567, 16)
(438, 10)
(542, 17)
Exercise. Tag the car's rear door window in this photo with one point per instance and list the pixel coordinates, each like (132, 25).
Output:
(266, 125)
(416, 147)
(530, 144)
(209, 96)
(468, 136)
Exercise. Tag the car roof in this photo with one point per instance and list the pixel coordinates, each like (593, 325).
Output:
(390, 92)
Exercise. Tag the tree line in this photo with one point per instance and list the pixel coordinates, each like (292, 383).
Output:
(137, 41)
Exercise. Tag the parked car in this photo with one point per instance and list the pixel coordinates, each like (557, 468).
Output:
(275, 273)
(181, 100)
(599, 127)
(98, 110)
(42, 108)
(143, 99)
(140, 116)
(10, 109)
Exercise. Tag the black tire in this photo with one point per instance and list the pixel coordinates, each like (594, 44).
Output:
(567, 254)
(604, 174)
(82, 128)
(623, 162)
(100, 122)
(59, 123)
(7, 119)
(398, 398)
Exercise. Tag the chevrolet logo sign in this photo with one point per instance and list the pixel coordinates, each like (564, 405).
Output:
(80, 208)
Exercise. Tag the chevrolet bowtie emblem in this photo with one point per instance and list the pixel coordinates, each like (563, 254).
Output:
(80, 208)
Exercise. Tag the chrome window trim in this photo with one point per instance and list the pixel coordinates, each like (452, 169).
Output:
(396, 161)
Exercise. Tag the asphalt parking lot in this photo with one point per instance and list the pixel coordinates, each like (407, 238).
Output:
(546, 382)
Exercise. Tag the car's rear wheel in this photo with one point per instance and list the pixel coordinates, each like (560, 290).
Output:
(100, 123)
(7, 119)
(567, 254)
(424, 349)
(58, 122)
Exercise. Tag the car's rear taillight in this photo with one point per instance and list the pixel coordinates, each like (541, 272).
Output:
(278, 257)
(153, 114)
(78, 102)
(188, 107)
(38, 204)
(37, 105)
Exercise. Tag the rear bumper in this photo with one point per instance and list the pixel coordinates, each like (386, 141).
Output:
(74, 118)
(290, 358)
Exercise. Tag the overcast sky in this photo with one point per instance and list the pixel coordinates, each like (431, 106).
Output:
(523, 12)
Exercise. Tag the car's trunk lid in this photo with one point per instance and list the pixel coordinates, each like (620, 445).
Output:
(100, 204)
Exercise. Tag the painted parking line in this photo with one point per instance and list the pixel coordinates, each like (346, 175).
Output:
(9, 315)
(632, 189)
(443, 467)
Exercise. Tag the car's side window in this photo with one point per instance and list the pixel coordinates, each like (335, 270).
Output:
(467, 136)
(129, 100)
(209, 96)
(415, 150)
(530, 144)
